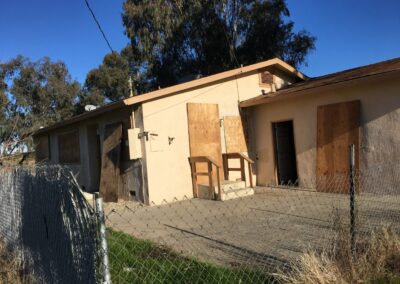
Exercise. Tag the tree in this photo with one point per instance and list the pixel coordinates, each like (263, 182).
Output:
(3, 107)
(174, 38)
(37, 94)
(110, 80)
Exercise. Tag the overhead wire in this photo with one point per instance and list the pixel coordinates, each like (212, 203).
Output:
(98, 25)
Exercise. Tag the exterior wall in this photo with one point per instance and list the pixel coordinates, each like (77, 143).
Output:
(163, 172)
(168, 169)
(380, 124)
(86, 170)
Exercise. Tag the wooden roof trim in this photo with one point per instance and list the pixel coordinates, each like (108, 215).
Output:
(276, 62)
(380, 68)
(80, 117)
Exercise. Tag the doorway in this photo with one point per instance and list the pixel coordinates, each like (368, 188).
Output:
(94, 155)
(205, 136)
(338, 126)
(285, 153)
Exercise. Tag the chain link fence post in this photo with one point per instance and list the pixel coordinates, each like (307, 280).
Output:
(352, 199)
(104, 262)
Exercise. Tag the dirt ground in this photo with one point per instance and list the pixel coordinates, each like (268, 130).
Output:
(272, 227)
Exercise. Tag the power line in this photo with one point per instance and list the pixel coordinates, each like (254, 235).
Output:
(98, 25)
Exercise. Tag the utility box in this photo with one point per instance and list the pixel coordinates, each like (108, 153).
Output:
(135, 144)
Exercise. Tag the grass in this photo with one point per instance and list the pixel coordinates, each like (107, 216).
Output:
(376, 260)
(138, 261)
(11, 268)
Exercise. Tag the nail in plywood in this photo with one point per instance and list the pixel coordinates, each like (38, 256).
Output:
(110, 167)
(337, 127)
(234, 135)
(205, 136)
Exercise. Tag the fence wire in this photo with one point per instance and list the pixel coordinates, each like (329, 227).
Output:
(246, 239)
(47, 227)
(53, 236)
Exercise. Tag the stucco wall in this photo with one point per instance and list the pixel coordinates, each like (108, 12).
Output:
(380, 124)
(85, 171)
(168, 169)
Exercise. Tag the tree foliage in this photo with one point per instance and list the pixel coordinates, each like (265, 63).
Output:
(172, 39)
(110, 80)
(34, 95)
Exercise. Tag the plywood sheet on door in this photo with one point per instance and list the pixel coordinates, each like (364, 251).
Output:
(338, 126)
(204, 135)
(110, 166)
(234, 134)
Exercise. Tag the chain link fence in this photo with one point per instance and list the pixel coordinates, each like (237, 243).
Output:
(248, 239)
(55, 236)
(47, 229)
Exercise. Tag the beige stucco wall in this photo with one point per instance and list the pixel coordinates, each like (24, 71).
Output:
(168, 169)
(380, 124)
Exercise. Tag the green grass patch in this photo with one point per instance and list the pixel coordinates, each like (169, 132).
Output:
(138, 261)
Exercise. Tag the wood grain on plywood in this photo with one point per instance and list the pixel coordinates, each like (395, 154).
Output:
(337, 127)
(110, 167)
(234, 135)
(205, 136)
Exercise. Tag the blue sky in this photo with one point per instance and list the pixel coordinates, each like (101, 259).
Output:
(349, 33)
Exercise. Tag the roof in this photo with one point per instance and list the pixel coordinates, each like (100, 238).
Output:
(173, 90)
(330, 79)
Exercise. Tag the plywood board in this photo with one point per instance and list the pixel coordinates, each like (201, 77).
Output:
(110, 162)
(337, 127)
(124, 187)
(234, 135)
(205, 136)
(68, 148)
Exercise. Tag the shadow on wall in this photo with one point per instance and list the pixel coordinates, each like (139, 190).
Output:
(57, 229)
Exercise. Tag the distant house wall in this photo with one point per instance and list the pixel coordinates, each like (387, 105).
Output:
(380, 124)
(87, 170)
(168, 169)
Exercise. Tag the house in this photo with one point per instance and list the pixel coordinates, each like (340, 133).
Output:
(264, 124)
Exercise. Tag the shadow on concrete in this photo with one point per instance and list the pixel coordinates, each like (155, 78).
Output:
(240, 254)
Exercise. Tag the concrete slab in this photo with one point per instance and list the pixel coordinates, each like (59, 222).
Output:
(264, 230)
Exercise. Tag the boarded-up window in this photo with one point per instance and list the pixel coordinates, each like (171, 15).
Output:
(68, 148)
(266, 78)
(42, 149)
(235, 140)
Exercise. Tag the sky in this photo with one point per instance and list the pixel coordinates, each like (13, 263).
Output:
(350, 33)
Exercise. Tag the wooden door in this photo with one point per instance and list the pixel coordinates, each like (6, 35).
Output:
(110, 170)
(205, 136)
(337, 127)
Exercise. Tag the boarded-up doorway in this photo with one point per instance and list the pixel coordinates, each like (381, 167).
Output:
(337, 127)
(205, 136)
(285, 153)
(110, 166)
